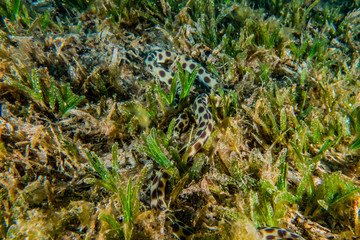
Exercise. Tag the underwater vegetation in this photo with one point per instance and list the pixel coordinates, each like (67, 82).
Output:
(84, 127)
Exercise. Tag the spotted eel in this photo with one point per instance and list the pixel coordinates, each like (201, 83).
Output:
(155, 63)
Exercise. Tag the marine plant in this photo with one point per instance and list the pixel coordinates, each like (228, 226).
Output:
(75, 97)
(113, 181)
